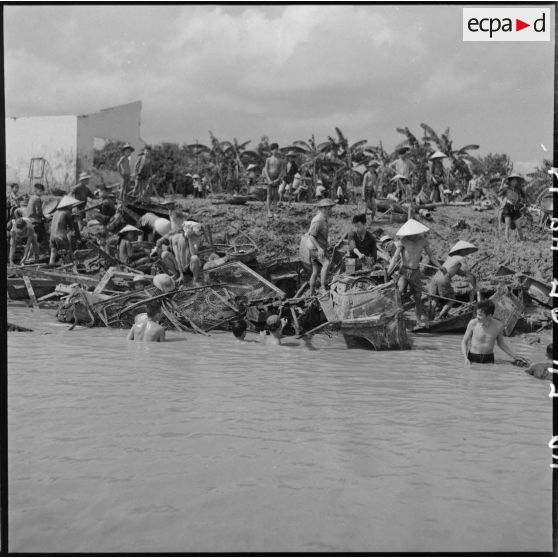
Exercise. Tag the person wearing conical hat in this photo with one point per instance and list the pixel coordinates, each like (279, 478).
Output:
(440, 285)
(317, 238)
(436, 177)
(62, 228)
(412, 241)
(512, 200)
(82, 193)
(126, 237)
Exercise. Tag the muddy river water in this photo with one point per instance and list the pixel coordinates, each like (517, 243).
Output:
(202, 444)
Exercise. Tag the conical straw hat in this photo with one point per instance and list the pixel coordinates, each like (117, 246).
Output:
(400, 177)
(412, 227)
(463, 248)
(438, 155)
(67, 201)
(128, 228)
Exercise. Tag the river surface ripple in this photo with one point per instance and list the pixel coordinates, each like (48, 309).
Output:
(202, 444)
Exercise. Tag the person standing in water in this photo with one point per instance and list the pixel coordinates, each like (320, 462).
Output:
(274, 170)
(147, 328)
(483, 332)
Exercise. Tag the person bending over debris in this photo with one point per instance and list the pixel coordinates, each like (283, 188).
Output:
(440, 286)
(412, 241)
(147, 327)
(483, 332)
(61, 228)
(146, 223)
(22, 232)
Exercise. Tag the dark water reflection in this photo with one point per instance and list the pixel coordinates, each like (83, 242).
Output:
(207, 445)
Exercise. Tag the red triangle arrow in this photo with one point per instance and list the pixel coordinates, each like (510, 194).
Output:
(519, 25)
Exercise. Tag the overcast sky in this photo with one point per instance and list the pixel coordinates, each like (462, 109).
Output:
(283, 71)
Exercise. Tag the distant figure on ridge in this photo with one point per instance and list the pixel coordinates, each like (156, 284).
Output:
(274, 171)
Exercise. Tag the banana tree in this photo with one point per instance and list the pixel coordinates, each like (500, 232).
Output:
(234, 153)
(198, 150)
(460, 159)
(418, 154)
(341, 151)
(314, 155)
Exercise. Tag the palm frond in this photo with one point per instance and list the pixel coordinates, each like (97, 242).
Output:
(342, 139)
(467, 148)
(358, 145)
(430, 134)
(302, 145)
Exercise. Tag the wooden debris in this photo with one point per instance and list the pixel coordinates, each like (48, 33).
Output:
(29, 287)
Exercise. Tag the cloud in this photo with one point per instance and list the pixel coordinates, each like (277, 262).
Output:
(286, 71)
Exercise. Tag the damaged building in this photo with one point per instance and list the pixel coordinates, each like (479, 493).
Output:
(55, 149)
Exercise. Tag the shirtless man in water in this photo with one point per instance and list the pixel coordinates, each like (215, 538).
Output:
(274, 171)
(148, 329)
(412, 241)
(483, 332)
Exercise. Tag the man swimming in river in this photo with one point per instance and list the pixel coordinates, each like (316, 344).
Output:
(148, 328)
(483, 332)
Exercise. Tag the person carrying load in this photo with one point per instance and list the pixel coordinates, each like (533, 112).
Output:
(512, 199)
(62, 227)
(412, 241)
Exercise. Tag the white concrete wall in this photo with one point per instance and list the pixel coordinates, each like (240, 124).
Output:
(50, 137)
(121, 123)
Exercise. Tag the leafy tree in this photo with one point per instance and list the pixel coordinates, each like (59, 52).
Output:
(108, 154)
(460, 159)
(313, 154)
(496, 163)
